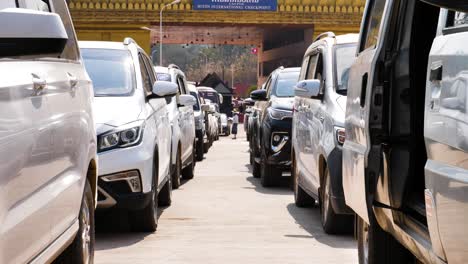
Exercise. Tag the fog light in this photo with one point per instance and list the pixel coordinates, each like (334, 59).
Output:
(131, 177)
(276, 138)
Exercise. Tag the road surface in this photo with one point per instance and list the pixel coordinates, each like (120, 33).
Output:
(224, 216)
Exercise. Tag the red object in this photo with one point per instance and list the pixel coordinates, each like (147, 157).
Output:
(254, 51)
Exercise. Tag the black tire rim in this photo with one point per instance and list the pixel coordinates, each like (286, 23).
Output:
(86, 231)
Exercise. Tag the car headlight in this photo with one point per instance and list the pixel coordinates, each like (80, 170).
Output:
(127, 136)
(340, 135)
(279, 114)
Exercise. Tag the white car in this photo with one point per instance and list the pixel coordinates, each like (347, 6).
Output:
(182, 123)
(199, 111)
(47, 140)
(133, 130)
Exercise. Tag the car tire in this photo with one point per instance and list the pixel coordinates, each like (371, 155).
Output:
(301, 197)
(81, 250)
(268, 175)
(165, 195)
(146, 219)
(251, 158)
(332, 223)
(177, 171)
(189, 171)
(377, 246)
(200, 151)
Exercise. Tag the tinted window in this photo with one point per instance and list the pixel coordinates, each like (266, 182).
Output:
(311, 67)
(196, 106)
(344, 58)
(212, 96)
(372, 26)
(147, 84)
(110, 70)
(71, 51)
(285, 84)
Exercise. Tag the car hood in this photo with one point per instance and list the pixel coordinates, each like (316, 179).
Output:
(284, 103)
(115, 111)
(341, 100)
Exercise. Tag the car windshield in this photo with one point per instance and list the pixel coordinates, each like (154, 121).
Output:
(110, 70)
(344, 58)
(210, 95)
(164, 77)
(196, 106)
(285, 84)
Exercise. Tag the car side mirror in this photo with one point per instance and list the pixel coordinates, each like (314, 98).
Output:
(307, 88)
(164, 88)
(205, 107)
(28, 32)
(259, 95)
(187, 100)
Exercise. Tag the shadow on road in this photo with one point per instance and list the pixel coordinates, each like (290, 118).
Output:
(309, 220)
(281, 189)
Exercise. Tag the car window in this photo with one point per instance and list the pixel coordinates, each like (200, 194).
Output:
(285, 83)
(146, 78)
(319, 72)
(344, 56)
(372, 24)
(310, 74)
(110, 71)
(39, 5)
(196, 106)
(181, 84)
(303, 73)
(150, 70)
(71, 51)
(461, 19)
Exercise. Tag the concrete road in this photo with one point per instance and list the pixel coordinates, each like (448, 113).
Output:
(223, 216)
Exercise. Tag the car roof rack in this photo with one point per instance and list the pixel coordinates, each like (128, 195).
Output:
(173, 66)
(128, 41)
(328, 34)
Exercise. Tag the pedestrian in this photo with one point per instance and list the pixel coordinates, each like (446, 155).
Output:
(235, 122)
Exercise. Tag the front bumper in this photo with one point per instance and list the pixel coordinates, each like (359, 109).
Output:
(334, 163)
(118, 194)
(281, 158)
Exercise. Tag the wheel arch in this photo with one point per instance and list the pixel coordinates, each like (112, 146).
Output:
(91, 177)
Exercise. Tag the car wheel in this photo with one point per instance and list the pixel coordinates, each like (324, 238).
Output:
(188, 172)
(81, 250)
(251, 158)
(146, 219)
(255, 166)
(268, 175)
(301, 198)
(377, 246)
(165, 195)
(332, 223)
(176, 173)
(200, 150)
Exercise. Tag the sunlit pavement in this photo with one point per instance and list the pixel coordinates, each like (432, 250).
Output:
(223, 216)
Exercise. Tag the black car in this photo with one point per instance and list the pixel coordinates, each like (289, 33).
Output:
(270, 146)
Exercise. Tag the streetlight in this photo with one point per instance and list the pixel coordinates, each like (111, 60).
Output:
(160, 28)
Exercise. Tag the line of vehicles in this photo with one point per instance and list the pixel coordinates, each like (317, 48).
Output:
(87, 126)
(373, 128)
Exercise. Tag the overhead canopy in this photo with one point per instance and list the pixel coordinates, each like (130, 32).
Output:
(212, 80)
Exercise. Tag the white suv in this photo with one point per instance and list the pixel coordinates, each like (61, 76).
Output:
(182, 124)
(47, 139)
(132, 126)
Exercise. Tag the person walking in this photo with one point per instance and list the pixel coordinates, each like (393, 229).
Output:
(235, 122)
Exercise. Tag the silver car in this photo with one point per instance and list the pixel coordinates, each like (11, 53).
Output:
(318, 128)
(48, 155)
(405, 170)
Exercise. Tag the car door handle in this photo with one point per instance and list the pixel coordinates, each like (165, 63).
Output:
(73, 80)
(39, 83)
(436, 73)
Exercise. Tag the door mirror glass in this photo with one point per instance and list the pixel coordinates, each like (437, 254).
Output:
(187, 100)
(259, 95)
(30, 33)
(205, 107)
(307, 88)
(450, 4)
(163, 88)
